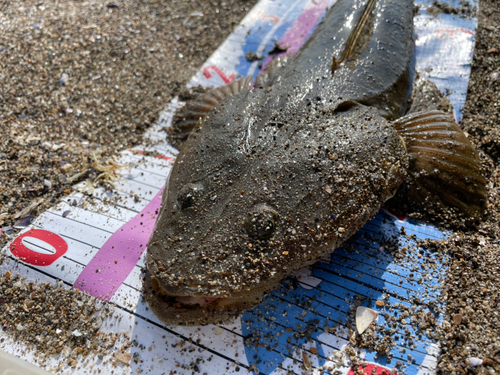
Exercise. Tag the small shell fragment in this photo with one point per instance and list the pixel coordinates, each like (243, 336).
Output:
(8, 230)
(23, 222)
(474, 361)
(307, 361)
(364, 317)
(218, 331)
(63, 81)
(123, 357)
(77, 333)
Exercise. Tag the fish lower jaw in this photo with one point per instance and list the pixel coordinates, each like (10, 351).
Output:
(201, 301)
(191, 295)
(193, 310)
(187, 302)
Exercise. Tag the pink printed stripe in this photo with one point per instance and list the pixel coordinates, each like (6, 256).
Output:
(300, 29)
(109, 268)
(297, 34)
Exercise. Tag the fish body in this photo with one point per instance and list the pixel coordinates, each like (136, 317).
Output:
(276, 177)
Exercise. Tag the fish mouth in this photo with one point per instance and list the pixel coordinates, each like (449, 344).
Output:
(193, 310)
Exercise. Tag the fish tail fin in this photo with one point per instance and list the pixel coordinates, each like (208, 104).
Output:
(187, 118)
(445, 170)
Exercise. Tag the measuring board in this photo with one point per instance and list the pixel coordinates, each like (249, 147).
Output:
(98, 244)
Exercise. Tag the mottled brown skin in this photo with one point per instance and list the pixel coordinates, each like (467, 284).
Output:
(320, 192)
(276, 177)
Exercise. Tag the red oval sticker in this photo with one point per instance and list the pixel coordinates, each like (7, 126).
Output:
(21, 251)
(371, 368)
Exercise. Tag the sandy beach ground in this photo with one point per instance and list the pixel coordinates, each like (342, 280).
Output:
(80, 80)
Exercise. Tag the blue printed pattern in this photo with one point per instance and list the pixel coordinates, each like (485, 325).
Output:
(360, 271)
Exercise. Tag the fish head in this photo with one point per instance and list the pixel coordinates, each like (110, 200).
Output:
(251, 200)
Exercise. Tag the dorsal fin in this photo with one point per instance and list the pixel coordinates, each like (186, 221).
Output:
(355, 36)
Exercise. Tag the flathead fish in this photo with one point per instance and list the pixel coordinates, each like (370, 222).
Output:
(274, 176)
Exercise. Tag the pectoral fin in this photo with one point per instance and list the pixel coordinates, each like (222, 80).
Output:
(445, 170)
(188, 117)
(195, 110)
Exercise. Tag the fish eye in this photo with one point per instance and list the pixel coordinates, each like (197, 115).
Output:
(261, 221)
(189, 194)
